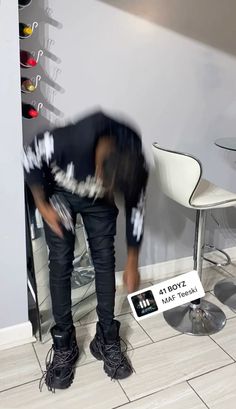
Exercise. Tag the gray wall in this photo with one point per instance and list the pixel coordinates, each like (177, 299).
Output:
(211, 22)
(13, 287)
(178, 88)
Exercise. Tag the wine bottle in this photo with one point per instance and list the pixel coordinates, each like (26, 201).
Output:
(24, 3)
(29, 111)
(27, 85)
(27, 60)
(25, 30)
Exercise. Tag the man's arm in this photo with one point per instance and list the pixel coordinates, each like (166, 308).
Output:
(127, 138)
(131, 276)
(134, 235)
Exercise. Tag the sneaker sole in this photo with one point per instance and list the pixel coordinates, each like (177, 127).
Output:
(106, 368)
(63, 385)
(110, 373)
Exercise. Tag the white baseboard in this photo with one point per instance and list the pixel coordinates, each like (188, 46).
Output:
(16, 335)
(167, 269)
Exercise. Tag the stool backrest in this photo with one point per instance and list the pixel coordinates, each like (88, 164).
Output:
(178, 174)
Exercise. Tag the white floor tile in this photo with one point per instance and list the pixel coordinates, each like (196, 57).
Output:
(211, 276)
(231, 268)
(84, 336)
(18, 365)
(217, 389)
(132, 333)
(168, 362)
(226, 338)
(176, 397)
(228, 312)
(157, 328)
(91, 389)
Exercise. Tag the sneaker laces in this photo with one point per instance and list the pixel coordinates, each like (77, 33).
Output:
(113, 355)
(55, 359)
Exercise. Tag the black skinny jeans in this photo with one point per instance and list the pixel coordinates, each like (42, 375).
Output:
(99, 218)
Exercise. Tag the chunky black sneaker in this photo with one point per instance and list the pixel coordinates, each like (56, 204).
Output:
(106, 346)
(60, 360)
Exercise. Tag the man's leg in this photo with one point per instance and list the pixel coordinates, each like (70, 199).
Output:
(60, 365)
(100, 224)
(61, 254)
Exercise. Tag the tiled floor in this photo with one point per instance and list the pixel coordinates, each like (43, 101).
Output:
(172, 370)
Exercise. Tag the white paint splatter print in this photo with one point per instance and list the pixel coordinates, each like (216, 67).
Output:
(137, 217)
(44, 149)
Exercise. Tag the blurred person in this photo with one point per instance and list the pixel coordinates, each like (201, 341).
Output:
(82, 165)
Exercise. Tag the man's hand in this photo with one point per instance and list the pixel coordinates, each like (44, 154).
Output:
(131, 276)
(46, 210)
(52, 219)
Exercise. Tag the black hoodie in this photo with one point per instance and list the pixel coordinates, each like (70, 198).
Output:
(66, 158)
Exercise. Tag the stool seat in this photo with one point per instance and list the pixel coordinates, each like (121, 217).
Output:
(209, 196)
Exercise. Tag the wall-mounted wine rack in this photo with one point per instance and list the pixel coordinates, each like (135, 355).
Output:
(29, 60)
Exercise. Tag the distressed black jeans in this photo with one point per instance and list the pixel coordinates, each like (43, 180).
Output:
(99, 218)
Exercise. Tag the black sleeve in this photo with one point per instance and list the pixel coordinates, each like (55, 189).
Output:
(128, 138)
(37, 157)
(135, 212)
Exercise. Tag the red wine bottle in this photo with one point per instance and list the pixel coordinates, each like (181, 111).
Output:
(27, 85)
(29, 111)
(25, 30)
(26, 59)
(24, 3)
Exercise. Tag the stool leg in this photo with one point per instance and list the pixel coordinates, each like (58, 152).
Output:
(199, 317)
(222, 252)
(199, 240)
(196, 240)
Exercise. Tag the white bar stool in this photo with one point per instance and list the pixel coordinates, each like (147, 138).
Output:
(179, 176)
